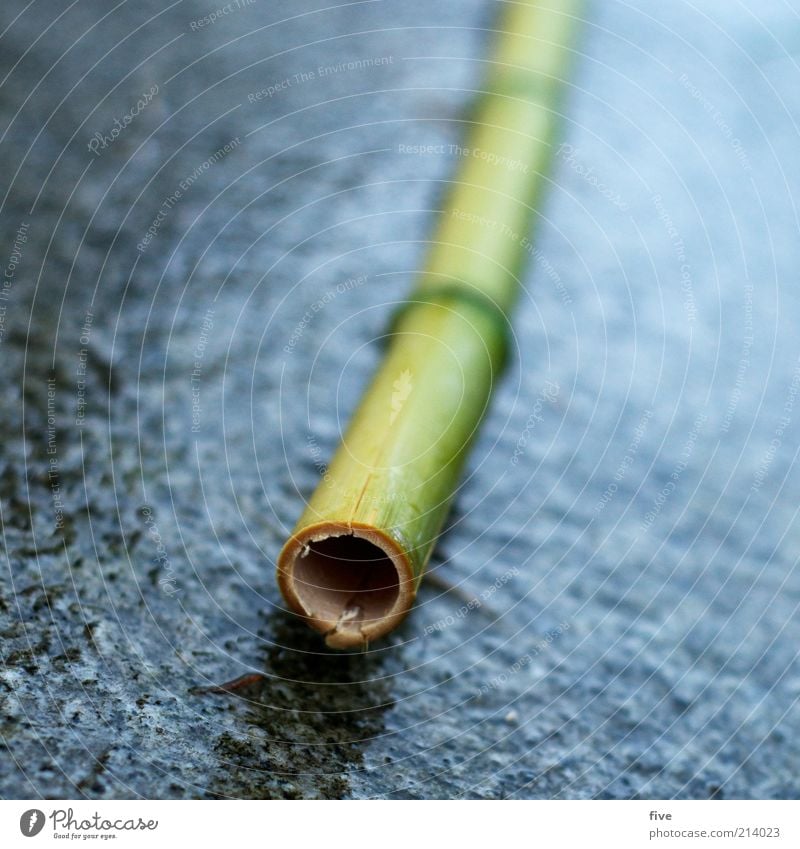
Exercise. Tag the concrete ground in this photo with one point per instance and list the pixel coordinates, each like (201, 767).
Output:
(179, 188)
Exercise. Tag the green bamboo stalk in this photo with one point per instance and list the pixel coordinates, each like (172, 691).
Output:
(354, 561)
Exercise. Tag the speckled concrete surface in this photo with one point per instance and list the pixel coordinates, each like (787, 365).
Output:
(614, 611)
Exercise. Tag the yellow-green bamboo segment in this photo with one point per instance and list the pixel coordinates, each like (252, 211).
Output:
(354, 562)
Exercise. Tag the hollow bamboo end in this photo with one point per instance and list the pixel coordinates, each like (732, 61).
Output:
(351, 582)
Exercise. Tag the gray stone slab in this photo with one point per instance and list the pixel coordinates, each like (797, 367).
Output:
(632, 541)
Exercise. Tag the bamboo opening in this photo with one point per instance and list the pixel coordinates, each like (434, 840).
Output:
(348, 584)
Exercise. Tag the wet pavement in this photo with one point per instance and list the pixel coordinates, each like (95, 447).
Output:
(208, 217)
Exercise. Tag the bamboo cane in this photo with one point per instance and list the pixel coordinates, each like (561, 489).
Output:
(354, 561)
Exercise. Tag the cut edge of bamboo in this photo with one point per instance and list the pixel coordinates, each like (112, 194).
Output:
(368, 593)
